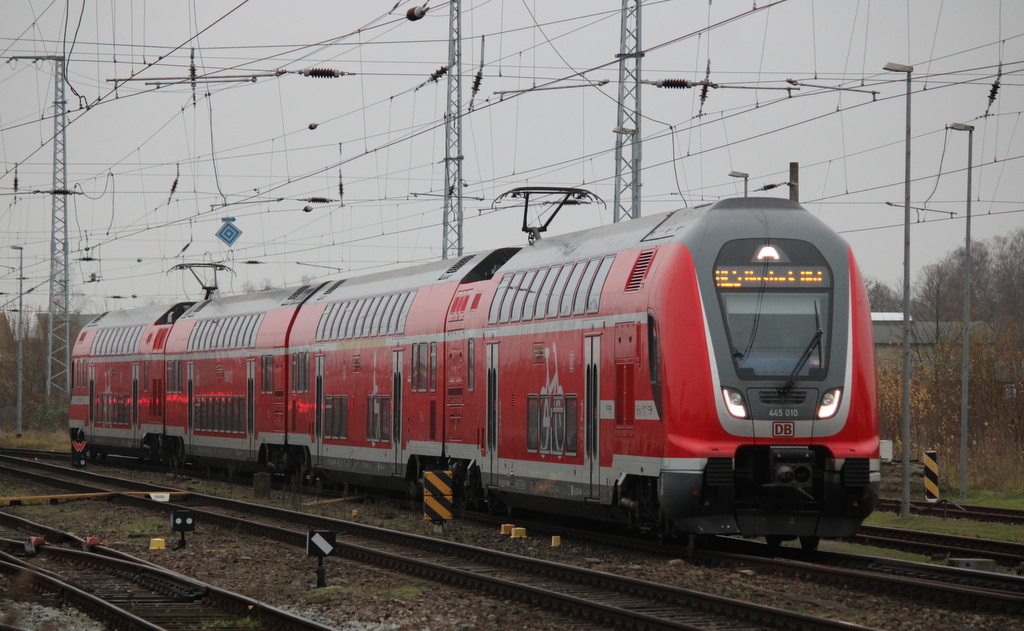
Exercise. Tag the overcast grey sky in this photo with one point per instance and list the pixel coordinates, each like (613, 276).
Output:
(254, 150)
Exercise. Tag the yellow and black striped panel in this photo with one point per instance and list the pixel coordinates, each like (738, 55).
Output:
(437, 495)
(437, 483)
(931, 476)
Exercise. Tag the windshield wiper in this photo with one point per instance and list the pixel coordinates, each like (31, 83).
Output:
(816, 340)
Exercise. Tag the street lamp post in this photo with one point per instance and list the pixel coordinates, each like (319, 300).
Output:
(21, 329)
(743, 175)
(966, 359)
(905, 509)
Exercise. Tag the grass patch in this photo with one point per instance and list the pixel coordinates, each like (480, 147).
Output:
(995, 499)
(55, 440)
(966, 528)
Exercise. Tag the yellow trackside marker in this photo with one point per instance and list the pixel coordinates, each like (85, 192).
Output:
(519, 533)
(556, 541)
(437, 495)
(506, 529)
(156, 544)
(931, 476)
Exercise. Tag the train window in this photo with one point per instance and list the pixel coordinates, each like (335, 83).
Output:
(325, 317)
(381, 316)
(470, 364)
(254, 329)
(499, 294)
(570, 289)
(385, 418)
(231, 335)
(392, 318)
(559, 287)
(531, 295)
(594, 299)
(371, 313)
(532, 422)
(405, 312)
(433, 366)
(524, 290)
(545, 423)
(557, 423)
(579, 303)
(336, 412)
(337, 315)
(510, 294)
(267, 374)
(571, 424)
(339, 327)
(352, 325)
(419, 376)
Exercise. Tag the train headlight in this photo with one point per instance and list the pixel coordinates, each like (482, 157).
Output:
(829, 403)
(734, 402)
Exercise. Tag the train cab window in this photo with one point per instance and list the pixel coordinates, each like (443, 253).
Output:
(530, 303)
(579, 303)
(499, 295)
(776, 306)
(570, 289)
(521, 293)
(405, 312)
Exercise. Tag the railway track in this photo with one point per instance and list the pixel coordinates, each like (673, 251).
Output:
(578, 592)
(954, 587)
(947, 509)
(125, 592)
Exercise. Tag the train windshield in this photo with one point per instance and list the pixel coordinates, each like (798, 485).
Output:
(776, 301)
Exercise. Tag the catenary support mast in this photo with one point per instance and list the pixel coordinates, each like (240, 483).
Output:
(627, 129)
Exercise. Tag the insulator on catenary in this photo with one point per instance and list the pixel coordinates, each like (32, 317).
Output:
(440, 72)
(677, 84)
(415, 13)
(322, 73)
(317, 200)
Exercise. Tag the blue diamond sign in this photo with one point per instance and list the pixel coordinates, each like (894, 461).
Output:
(229, 233)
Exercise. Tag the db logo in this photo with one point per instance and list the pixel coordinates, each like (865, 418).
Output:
(783, 428)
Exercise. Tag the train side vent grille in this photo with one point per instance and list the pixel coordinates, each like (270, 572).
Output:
(454, 268)
(774, 397)
(643, 263)
(335, 286)
(856, 472)
(296, 295)
(719, 471)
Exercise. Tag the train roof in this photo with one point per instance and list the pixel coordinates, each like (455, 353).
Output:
(637, 233)
(127, 317)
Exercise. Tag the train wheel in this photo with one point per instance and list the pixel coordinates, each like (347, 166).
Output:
(809, 543)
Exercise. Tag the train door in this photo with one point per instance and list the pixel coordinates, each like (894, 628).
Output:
(318, 427)
(250, 407)
(493, 410)
(396, 412)
(279, 387)
(92, 400)
(136, 435)
(190, 402)
(592, 424)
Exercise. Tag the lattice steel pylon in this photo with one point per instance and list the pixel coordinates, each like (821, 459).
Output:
(626, 204)
(453, 137)
(58, 321)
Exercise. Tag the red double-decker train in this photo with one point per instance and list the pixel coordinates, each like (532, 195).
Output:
(707, 371)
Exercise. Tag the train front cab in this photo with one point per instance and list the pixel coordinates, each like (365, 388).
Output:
(790, 446)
